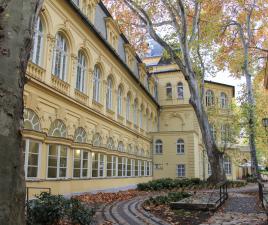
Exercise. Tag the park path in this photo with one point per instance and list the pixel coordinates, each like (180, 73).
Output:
(241, 208)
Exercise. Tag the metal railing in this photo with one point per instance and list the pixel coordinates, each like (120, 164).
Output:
(223, 194)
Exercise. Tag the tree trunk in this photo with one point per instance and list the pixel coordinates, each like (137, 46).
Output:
(16, 29)
(215, 157)
(251, 125)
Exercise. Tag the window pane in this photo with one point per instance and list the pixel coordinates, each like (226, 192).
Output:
(33, 160)
(76, 173)
(52, 173)
(32, 171)
(62, 172)
(33, 147)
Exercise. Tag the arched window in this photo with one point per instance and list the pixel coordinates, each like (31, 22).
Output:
(31, 120)
(121, 147)
(110, 143)
(225, 133)
(80, 135)
(59, 67)
(158, 147)
(213, 131)
(109, 93)
(81, 72)
(136, 151)
(169, 90)
(180, 146)
(37, 42)
(130, 149)
(141, 117)
(209, 98)
(96, 83)
(57, 129)
(135, 112)
(97, 140)
(223, 100)
(180, 90)
(128, 106)
(120, 100)
(227, 165)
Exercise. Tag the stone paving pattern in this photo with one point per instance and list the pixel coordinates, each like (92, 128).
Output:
(242, 208)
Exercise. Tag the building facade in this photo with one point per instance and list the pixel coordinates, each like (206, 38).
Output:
(94, 115)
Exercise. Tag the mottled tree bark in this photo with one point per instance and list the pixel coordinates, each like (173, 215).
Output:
(16, 29)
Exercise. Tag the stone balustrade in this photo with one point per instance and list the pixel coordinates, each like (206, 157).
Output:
(81, 97)
(60, 85)
(35, 71)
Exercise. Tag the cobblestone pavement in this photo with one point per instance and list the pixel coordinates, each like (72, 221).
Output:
(241, 208)
(127, 213)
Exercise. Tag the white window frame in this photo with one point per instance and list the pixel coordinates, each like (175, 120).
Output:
(96, 84)
(81, 71)
(210, 98)
(26, 158)
(180, 91)
(109, 94)
(223, 100)
(180, 146)
(81, 164)
(128, 107)
(58, 163)
(227, 165)
(120, 101)
(60, 57)
(38, 42)
(181, 170)
(169, 90)
(158, 147)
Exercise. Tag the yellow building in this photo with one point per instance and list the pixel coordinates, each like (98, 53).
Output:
(178, 149)
(93, 114)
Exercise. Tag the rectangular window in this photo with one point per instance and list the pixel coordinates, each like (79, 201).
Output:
(142, 168)
(95, 164)
(147, 168)
(121, 167)
(181, 170)
(111, 166)
(101, 165)
(80, 163)
(128, 164)
(139, 168)
(31, 158)
(98, 165)
(227, 166)
(57, 161)
(136, 168)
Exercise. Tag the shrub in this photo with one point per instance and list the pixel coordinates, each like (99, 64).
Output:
(168, 184)
(164, 200)
(50, 209)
